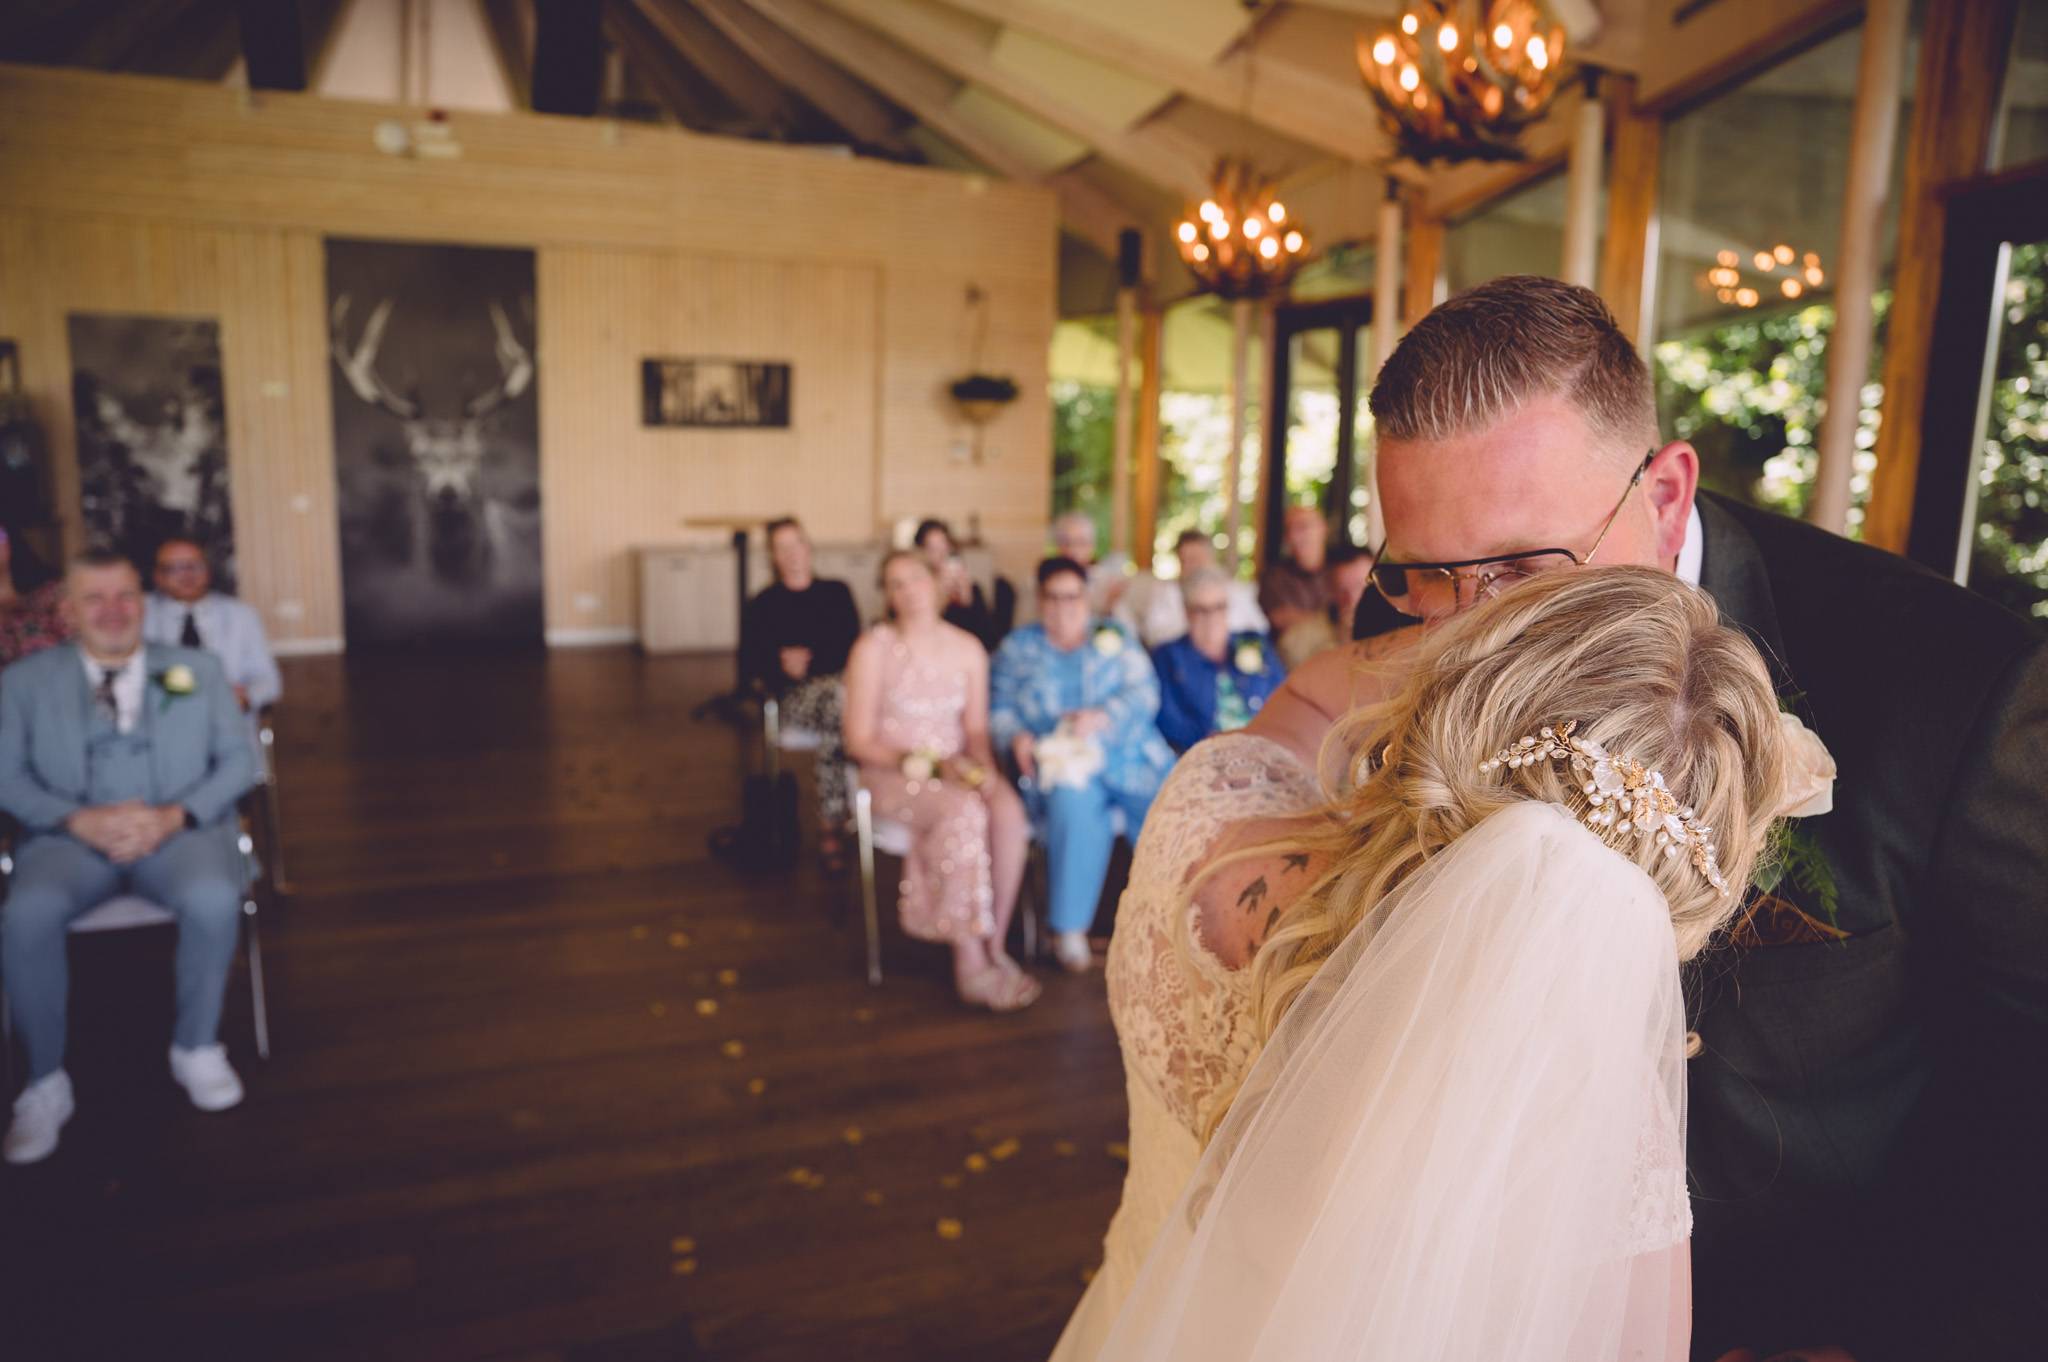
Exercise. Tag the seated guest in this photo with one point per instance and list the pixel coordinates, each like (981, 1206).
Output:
(917, 722)
(1073, 700)
(794, 638)
(32, 615)
(185, 610)
(1294, 585)
(965, 606)
(1073, 537)
(1349, 570)
(1213, 678)
(1166, 619)
(122, 761)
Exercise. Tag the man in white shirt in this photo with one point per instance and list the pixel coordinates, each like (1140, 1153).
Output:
(122, 762)
(185, 610)
(1165, 616)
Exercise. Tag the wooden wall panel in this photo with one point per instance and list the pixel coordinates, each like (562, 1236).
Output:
(134, 194)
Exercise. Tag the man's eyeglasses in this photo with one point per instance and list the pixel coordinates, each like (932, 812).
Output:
(1428, 591)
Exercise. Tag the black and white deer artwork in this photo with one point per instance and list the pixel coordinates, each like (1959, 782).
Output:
(461, 530)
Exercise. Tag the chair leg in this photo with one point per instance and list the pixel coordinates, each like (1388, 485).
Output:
(256, 994)
(864, 830)
(6, 1043)
(771, 737)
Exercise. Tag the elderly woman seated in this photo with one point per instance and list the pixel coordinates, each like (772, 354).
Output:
(1212, 680)
(1073, 699)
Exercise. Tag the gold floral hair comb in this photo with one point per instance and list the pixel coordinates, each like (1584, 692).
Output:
(1623, 797)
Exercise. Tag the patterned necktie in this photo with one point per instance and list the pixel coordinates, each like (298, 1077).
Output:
(103, 696)
(190, 638)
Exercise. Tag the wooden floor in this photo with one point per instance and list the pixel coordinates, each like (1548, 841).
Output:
(548, 1082)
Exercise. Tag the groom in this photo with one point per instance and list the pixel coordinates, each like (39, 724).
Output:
(1866, 1128)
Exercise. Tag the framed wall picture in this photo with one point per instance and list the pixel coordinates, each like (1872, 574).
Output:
(731, 393)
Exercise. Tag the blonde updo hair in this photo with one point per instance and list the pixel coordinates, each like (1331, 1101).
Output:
(1646, 667)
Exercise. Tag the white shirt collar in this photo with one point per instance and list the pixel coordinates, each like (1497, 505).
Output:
(130, 682)
(1694, 554)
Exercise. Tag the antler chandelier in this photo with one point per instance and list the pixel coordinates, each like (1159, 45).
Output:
(1240, 242)
(1458, 80)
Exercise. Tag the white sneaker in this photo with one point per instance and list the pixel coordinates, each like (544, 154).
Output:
(1071, 949)
(206, 1078)
(39, 1116)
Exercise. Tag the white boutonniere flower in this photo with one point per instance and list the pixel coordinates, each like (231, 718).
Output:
(175, 681)
(1809, 771)
(920, 765)
(1109, 640)
(1250, 658)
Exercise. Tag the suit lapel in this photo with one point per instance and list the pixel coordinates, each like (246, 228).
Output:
(1733, 573)
(153, 666)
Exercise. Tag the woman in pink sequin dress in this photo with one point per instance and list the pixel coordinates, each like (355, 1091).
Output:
(917, 722)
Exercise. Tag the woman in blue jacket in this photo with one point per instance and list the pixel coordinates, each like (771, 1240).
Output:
(1211, 680)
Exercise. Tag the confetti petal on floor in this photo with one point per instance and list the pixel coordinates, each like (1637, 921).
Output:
(757, 1086)
(728, 976)
(871, 1197)
(799, 1176)
(1006, 1150)
(1118, 1151)
(949, 1228)
(678, 940)
(950, 1180)
(852, 1135)
(683, 1267)
(682, 1244)
(733, 1049)
(976, 1163)
(706, 1006)
(639, 933)
(863, 1014)
(1063, 1148)
(659, 1009)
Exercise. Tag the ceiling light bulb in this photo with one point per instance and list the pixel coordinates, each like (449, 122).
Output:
(1219, 229)
(1725, 258)
(1294, 241)
(1187, 231)
(1409, 23)
(1447, 38)
(1503, 36)
(1792, 288)
(1383, 51)
(1814, 276)
(1726, 295)
(1210, 212)
(1746, 296)
(1812, 260)
(1410, 78)
(1251, 226)
(1278, 212)
(1538, 57)
(1766, 262)
(1783, 254)
(1201, 251)
(1269, 248)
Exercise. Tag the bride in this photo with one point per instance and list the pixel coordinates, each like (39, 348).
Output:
(1463, 1132)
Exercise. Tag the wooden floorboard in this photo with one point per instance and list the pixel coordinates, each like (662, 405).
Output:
(494, 1107)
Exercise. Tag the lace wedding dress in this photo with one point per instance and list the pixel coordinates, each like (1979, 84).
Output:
(1180, 1015)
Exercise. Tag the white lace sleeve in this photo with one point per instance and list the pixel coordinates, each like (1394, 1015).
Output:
(1181, 1016)
(1662, 1212)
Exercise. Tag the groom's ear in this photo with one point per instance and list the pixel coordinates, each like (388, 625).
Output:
(1673, 478)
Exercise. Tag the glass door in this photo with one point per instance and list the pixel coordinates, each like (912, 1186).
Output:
(1321, 352)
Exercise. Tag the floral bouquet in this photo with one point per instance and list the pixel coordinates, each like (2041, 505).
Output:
(1064, 757)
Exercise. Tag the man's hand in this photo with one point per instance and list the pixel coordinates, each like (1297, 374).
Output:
(241, 697)
(1086, 723)
(126, 833)
(1020, 748)
(796, 663)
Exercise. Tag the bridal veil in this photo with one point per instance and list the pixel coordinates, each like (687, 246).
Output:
(1465, 1141)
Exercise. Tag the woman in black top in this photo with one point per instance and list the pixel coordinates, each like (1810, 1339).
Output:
(965, 606)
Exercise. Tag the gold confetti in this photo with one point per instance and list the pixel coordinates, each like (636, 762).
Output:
(639, 933)
(852, 1135)
(757, 1086)
(871, 1197)
(949, 1228)
(683, 1267)
(733, 1049)
(950, 1180)
(976, 1163)
(706, 1006)
(799, 1176)
(681, 1244)
(864, 1014)
(1087, 1275)
(728, 977)
(1006, 1150)
(659, 1009)
(1120, 1152)
(1063, 1148)
(678, 940)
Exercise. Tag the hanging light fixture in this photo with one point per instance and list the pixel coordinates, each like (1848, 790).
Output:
(1458, 80)
(1240, 242)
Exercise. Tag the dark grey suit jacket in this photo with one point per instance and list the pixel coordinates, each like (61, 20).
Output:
(1866, 1130)
(199, 743)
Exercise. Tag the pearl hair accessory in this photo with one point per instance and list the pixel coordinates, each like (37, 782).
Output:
(1623, 797)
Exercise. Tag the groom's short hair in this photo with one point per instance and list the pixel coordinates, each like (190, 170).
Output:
(1487, 351)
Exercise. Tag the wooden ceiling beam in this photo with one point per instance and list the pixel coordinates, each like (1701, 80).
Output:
(928, 95)
(694, 101)
(1171, 160)
(1330, 115)
(840, 97)
(508, 29)
(719, 61)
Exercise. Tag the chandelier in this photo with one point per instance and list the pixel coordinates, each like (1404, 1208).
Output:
(1800, 273)
(1240, 242)
(1458, 80)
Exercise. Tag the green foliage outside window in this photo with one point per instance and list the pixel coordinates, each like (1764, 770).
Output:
(2009, 558)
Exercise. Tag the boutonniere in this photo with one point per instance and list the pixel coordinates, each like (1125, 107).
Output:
(175, 681)
(1250, 658)
(1794, 858)
(1109, 640)
(921, 765)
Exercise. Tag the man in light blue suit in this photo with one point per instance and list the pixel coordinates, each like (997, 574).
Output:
(122, 762)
